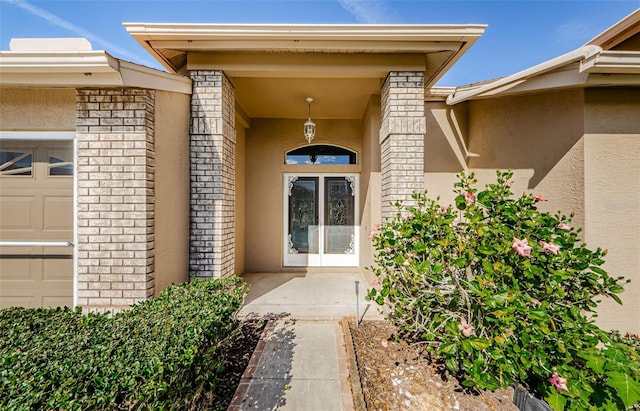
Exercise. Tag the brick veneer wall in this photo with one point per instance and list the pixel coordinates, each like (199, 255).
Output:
(402, 138)
(115, 173)
(212, 159)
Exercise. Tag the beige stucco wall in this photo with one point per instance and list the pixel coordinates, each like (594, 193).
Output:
(267, 141)
(171, 188)
(33, 109)
(240, 199)
(370, 206)
(444, 148)
(540, 138)
(612, 195)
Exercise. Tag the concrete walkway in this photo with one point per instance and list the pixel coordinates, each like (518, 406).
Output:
(308, 296)
(299, 365)
(300, 362)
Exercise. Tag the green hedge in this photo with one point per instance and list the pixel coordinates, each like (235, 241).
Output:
(161, 354)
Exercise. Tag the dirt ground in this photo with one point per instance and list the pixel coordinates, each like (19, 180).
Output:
(399, 376)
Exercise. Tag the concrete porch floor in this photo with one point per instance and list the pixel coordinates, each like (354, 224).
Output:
(308, 296)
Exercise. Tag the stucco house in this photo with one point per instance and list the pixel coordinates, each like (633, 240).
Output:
(117, 179)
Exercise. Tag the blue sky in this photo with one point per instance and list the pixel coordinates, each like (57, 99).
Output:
(520, 33)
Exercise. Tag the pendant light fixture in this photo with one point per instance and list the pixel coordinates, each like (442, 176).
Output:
(309, 126)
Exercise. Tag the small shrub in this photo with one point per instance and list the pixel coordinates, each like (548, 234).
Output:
(162, 354)
(505, 293)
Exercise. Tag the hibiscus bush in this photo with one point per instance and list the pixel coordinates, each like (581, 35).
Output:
(504, 293)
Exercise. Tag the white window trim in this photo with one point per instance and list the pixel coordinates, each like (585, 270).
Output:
(37, 135)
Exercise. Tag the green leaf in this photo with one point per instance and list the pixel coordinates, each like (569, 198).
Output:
(484, 198)
(419, 246)
(460, 262)
(451, 364)
(627, 388)
(479, 343)
(461, 203)
(555, 400)
(450, 348)
(596, 363)
(486, 250)
(500, 313)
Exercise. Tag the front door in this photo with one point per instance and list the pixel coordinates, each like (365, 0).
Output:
(321, 220)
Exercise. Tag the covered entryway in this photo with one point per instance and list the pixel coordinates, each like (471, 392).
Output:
(36, 222)
(320, 218)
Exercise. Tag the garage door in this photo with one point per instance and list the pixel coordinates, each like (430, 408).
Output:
(36, 220)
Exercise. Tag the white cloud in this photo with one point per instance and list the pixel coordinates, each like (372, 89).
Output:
(59, 22)
(368, 11)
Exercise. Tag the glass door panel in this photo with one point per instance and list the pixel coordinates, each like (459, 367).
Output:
(338, 216)
(303, 215)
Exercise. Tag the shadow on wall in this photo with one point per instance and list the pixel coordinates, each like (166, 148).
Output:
(536, 132)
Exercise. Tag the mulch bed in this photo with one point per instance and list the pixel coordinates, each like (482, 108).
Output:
(400, 376)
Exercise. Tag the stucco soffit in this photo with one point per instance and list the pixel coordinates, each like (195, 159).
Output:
(619, 62)
(306, 65)
(510, 82)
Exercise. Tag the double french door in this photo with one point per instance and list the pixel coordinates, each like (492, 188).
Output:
(320, 214)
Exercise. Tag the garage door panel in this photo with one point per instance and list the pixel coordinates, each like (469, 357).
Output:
(19, 266)
(55, 302)
(35, 208)
(58, 213)
(17, 301)
(16, 213)
(57, 267)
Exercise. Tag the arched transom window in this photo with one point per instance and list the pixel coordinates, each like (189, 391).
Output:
(321, 154)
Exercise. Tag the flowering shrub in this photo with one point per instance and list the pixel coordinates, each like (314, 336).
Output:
(504, 293)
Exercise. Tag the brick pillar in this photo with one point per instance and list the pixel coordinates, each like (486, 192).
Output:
(402, 138)
(212, 158)
(115, 172)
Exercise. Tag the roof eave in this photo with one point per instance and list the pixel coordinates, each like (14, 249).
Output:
(612, 62)
(506, 83)
(82, 69)
(159, 38)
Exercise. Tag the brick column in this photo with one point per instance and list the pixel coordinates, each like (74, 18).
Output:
(115, 172)
(402, 138)
(213, 147)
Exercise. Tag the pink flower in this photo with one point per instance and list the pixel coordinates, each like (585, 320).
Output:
(563, 226)
(535, 303)
(384, 343)
(457, 220)
(538, 198)
(469, 196)
(522, 247)
(552, 248)
(444, 209)
(509, 332)
(467, 329)
(558, 382)
(376, 281)
(374, 232)
(509, 183)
